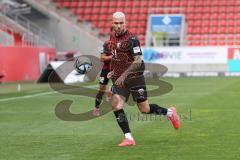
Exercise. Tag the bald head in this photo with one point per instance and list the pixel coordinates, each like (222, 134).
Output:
(118, 23)
(119, 15)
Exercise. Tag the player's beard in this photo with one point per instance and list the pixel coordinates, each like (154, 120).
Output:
(120, 32)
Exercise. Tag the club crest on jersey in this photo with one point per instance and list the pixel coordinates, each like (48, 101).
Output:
(118, 45)
(101, 79)
(141, 91)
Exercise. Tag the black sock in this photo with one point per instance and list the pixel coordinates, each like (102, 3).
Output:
(98, 99)
(122, 120)
(97, 102)
(156, 109)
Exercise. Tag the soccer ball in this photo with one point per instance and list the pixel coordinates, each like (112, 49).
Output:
(82, 67)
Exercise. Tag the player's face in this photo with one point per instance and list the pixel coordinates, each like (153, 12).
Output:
(119, 25)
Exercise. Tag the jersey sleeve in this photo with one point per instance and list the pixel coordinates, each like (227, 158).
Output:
(135, 46)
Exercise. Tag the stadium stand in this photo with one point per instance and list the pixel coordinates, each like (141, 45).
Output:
(6, 35)
(25, 32)
(209, 22)
(20, 44)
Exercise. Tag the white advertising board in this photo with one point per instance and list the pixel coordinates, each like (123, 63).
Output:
(186, 55)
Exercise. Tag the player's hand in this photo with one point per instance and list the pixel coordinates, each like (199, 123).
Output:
(110, 74)
(110, 57)
(120, 81)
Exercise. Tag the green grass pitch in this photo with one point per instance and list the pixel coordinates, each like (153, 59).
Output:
(209, 107)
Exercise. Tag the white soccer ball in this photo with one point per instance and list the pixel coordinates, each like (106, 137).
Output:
(83, 67)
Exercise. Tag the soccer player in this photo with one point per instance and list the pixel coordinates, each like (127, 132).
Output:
(127, 77)
(105, 57)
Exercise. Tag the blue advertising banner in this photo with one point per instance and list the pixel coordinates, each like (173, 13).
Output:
(166, 23)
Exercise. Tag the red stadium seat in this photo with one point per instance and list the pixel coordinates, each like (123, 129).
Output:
(136, 4)
(214, 9)
(190, 30)
(75, 4)
(222, 30)
(94, 24)
(222, 9)
(191, 3)
(102, 31)
(237, 42)
(231, 2)
(95, 17)
(82, 4)
(199, 9)
(222, 22)
(90, 4)
(113, 4)
(205, 30)
(198, 23)
(222, 16)
(206, 9)
(105, 4)
(144, 10)
(80, 11)
(197, 30)
(191, 9)
(222, 3)
(141, 30)
(230, 30)
(153, 3)
(207, 3)
(213, 30)
(168, 3)
(121, 4)
(199, 3)
(67, 4)
(206, 22)
(214, 23)
(145, 3)
(133, 24)
(204, 17)
(98, 4)
(230, 22)
(214, 16)
(160, 4)
(237, 15)
(190, 16)
(190, 23)
(134, 30)
(184, 3)
(176, 3)
(214, 2)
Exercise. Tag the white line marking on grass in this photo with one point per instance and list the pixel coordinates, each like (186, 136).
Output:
(27, 96)
(38, 94)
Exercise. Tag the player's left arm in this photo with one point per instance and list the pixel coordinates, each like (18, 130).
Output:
(136, 52)
(134, 67)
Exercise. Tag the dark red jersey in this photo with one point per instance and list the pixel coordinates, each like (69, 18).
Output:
(121, 59)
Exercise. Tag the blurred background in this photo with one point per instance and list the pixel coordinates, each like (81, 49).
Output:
(190, 37)
(197, 40)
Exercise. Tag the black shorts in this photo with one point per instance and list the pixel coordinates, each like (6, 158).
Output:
(103, 77)
(134, 86)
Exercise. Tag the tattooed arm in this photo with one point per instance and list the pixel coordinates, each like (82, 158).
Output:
(134, 67)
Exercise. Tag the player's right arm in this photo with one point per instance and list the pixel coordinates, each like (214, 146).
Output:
(108, 48)
(105, 58)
